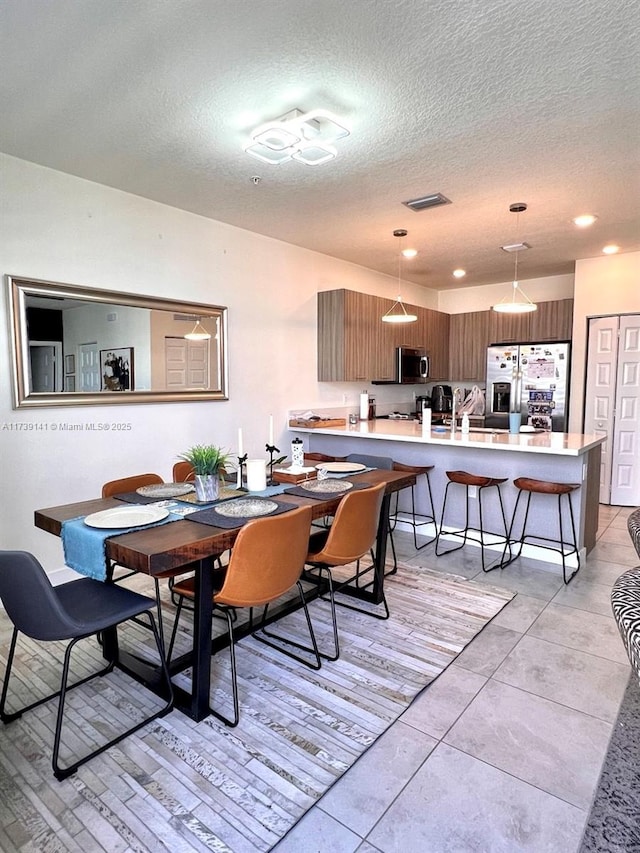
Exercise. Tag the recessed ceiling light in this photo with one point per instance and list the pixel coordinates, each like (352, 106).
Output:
(585, 220)
(459, 273)
(611, 249)
(409, 253)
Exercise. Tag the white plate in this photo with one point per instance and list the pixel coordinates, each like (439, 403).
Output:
(527, 428)
(165, 490)
(126, 516)
(342, 467)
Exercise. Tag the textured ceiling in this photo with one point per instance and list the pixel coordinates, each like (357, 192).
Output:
(487, 101)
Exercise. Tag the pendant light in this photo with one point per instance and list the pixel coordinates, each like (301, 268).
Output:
(519, 303)
(198, 333)
(398, 313)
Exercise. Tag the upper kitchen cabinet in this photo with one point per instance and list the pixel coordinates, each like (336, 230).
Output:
(345, 345)
(553, 321)
(509, 328)
(354, 345)
(469, 338)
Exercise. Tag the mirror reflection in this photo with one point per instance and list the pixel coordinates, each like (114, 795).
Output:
(75, 346)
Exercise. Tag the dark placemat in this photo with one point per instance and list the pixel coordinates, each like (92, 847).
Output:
(325, 496)
(213, 518)
(135, 498)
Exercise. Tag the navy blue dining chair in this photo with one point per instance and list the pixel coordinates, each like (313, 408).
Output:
(71, 611)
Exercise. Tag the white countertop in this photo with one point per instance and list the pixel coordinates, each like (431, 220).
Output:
(553, 443)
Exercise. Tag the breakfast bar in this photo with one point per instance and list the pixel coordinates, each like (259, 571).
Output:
(556, 457)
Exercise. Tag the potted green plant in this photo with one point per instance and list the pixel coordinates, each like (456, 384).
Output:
(208, 463)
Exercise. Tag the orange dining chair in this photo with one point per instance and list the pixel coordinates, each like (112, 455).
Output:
(183, 472)
(351, 536)
(130, 484)
(266, 562)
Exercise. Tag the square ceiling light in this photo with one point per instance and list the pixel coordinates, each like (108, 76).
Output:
(305, 137)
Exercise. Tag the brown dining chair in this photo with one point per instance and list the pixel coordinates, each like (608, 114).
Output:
(266, 562)
(350, 537)
(120, 487)
(183, 472)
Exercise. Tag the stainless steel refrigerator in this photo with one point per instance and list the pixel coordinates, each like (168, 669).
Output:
(532, 379)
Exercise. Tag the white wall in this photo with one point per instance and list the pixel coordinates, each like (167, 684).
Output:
(463, 299)
(60, 228)
(605, 285)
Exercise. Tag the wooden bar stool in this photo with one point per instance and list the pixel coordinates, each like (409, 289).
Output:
(528, 486)
(418, 470)
(463, 478)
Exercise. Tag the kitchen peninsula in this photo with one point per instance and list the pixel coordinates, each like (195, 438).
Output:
(559, 457)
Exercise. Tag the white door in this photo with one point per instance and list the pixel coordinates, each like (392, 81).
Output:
(186, 364)
(612, 404)
(88, 368)
(599, 400)
(625, 463)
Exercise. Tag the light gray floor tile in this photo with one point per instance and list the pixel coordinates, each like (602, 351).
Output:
(541, 742)
(486, 652)
(522, 577)
(438, 706)
(573, 678)
(457, 804)
(318, 832)
(520, 613)
(617, 534)
(610, 552)
(601, 571)
(585, 594)
(360, 799)
(587, 632)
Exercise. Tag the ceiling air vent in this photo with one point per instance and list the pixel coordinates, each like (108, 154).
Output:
(515, 247)
(426, 201)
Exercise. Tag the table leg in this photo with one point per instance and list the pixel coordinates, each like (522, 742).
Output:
(381, 551)
(203, 608)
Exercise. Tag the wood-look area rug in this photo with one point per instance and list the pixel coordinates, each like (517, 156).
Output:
(185, 786)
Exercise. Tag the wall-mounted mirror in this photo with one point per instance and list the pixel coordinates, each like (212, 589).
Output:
(76, 346)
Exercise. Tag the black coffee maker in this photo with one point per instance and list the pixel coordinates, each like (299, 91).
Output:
(421, 402)
(441, 399)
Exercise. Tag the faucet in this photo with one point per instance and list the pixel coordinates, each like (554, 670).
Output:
(456, 392)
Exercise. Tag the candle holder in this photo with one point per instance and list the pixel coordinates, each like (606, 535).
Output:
(271, 450)
(241, 461)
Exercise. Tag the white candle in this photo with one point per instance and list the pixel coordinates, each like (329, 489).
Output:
(271, 430)
(240, 441)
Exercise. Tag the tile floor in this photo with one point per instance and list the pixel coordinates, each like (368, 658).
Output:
(503, 751)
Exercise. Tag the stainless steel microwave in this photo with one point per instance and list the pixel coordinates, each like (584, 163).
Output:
(411, 367)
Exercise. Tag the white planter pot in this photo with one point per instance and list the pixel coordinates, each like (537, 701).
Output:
(207, 487)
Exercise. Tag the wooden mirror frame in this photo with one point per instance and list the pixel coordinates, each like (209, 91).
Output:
(20, 289)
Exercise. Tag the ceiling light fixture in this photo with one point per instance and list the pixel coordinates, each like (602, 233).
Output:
(305, 137)
(409, 253)
(198, 333)
(459, 273)
(585, 220)
(519, 302)
(611, 249)
(398, 313)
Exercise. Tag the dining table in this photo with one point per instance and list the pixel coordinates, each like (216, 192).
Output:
(166, 549)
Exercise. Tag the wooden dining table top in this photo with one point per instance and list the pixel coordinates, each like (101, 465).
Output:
(159, 550)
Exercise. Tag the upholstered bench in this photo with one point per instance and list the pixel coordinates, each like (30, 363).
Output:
(625, 600)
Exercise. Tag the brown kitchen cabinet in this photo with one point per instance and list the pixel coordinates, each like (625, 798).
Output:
(509, 328)
(553, 321)
(469, 339)
(354, 345)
